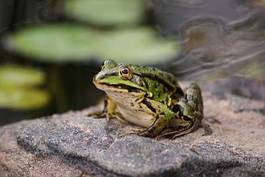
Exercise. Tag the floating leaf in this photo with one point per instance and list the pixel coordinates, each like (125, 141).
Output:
(137, 46)
(74, 44)
(17, 88)
(54, 43)
(22, 98)
(106, 12)
(17, 76)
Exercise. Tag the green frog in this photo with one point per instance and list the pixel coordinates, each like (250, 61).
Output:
(150, 98)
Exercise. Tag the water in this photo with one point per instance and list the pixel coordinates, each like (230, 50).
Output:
(220, 38)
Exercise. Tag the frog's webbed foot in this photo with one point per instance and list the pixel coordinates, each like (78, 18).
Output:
(173, 133)
(104, 114)
(168, 133)
(99, 114)
(108, 111)
(156, 128)
(146, 132)
(133, 131)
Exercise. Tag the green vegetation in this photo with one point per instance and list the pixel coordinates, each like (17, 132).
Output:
(65, 43)
(102, 12)
(54, 43)
(18, 89)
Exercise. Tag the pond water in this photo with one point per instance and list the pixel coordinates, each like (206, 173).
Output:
(201, 40)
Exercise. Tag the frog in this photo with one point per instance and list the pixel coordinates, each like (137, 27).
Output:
(149, 98)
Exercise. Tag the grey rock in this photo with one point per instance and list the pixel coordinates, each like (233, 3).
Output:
(73, 144)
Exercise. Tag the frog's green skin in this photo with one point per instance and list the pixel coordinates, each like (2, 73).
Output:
(150, 98)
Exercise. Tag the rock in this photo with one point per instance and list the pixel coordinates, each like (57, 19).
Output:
(73, 144)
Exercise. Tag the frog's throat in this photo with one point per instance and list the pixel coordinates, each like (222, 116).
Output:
(117, 88)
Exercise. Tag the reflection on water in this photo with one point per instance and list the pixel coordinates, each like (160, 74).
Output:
(208, 52)
(222, 41)
(174, 14)
(219, 38)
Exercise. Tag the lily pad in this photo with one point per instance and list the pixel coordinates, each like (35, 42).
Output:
(54, 43)
(17, 76)
(64, 43)
(22, 98)
(18, 88)
(140, 46)
(106, 12)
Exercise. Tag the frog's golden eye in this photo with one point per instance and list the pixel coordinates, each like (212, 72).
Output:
(125, 73)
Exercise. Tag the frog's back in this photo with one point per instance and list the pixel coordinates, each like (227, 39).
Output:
(159, 75)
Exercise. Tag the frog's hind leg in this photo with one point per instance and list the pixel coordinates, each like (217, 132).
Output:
(158, 125)
(189, 113)
(194, 99)
(173, 133)
(150, 131)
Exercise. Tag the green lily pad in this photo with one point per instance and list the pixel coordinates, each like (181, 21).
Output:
(17, 88)
(64, 43)
(54, 43)
(106, 12)
(141, 46)
(17, 76)
(22, 98)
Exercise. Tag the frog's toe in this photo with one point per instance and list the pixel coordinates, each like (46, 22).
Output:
(144, 133)
(147, 133)
(97, 115)
(134, 131)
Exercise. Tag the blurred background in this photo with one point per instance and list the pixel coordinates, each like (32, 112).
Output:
(50, 49)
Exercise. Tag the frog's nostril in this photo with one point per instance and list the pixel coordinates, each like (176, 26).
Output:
(109, 64)
(98, 77)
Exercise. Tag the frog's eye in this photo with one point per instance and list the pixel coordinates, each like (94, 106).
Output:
(125, 73)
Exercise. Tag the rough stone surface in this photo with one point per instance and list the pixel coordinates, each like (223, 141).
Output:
(73, 144)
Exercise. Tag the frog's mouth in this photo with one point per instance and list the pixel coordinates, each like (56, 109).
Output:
(118, 88)
(114, 83)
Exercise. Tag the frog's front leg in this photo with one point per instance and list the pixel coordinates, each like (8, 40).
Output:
(108, 111)
(101, 112)
(189, 113)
